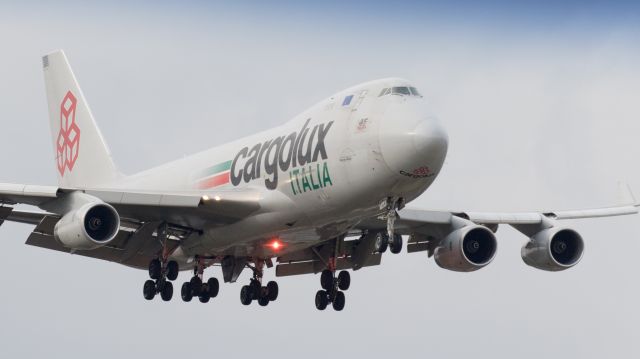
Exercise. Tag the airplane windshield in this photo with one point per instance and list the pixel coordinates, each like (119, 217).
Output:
(400, 90)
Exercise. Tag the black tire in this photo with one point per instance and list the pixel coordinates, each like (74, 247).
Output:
(272, 290)
(263, 301)
(322, 300)
(172, 270)
(167, 291)
(149, 289)
(338, 302)
(256, 289)
(344, 280)
(382, 242)
(246, 295)
(214, 287)
(326, 279)
(204, 294)
(395, 245)
(155, 269)
(196, 285)
(186, 292)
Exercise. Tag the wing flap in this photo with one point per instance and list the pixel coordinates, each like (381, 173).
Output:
(11, 193)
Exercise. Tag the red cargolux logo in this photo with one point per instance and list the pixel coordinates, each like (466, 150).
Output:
(68, 142)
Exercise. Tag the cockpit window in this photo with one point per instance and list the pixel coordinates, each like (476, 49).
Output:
(384, 91)
(400, 91)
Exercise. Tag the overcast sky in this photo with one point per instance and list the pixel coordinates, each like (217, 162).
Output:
(541, 102)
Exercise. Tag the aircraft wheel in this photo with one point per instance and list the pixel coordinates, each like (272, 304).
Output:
(395, 244)
(196, 285)
(186, 292)
(322, 300)
(272, 290)
(155, 269)
(382, 242)
(263, 301)
(256, 289)
(149, 289)
(338, 301)
(214, 287)
(246, 295)
(326, 279)
(167, 291)
(172, 270)
(344, 280)
(204, 294)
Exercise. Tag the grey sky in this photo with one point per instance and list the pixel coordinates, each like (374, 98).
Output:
(537, 120)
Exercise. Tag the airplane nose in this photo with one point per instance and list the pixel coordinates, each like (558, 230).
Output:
(413, 143)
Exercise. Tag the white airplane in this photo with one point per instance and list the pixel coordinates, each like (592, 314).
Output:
(323, 193)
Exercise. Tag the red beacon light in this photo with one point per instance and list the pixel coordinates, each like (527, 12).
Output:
(275, 245)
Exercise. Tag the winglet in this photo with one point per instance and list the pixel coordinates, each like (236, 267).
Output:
(625, 195)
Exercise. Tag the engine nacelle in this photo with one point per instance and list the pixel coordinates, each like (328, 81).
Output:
(91, 226)
(553, 249)
(467, 249)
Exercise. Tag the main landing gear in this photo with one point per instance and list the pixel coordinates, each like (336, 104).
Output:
(195, 287)
(161, 271)
(256, 291)
(332, 289)
(161, 275)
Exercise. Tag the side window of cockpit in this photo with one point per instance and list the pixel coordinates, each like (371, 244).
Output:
(384, 91)
(415, 92)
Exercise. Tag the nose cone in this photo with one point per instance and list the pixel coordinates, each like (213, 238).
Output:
(412, 142)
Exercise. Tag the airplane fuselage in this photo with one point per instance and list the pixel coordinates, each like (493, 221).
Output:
(320, 173)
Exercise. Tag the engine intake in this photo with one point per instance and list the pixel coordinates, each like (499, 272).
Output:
(553, 249)
(467, 249)
(91, 226)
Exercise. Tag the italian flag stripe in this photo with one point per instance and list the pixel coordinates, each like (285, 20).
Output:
(213, 176)
(214, 170)
(214, 181)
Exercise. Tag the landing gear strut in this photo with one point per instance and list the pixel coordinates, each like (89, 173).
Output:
(196, 288)
(255, 291)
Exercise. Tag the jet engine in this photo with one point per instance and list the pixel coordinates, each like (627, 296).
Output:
(91, 226)
(553, 249)
(466, 249)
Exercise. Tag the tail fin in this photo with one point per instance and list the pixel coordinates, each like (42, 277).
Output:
(82, 157)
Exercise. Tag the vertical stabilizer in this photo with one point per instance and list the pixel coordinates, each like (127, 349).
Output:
(81, 154)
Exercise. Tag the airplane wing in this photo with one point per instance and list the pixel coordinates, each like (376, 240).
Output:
(426, 228)
(141, 214)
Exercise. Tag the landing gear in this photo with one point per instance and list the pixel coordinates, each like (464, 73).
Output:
(160, 280)
(256, 291)
(196, 288)
(382, 242)
(332, 288)
(161, 271)
(395, 244)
